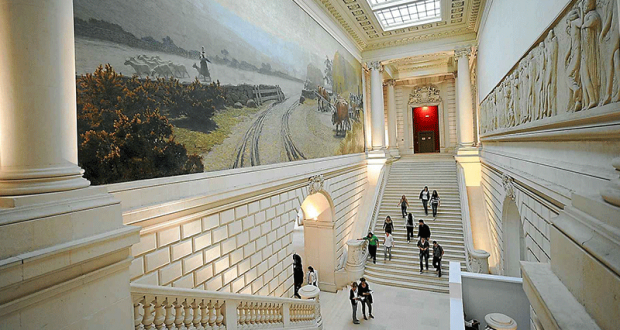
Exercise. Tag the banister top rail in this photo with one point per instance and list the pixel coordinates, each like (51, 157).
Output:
(476, 260)
(143, 289)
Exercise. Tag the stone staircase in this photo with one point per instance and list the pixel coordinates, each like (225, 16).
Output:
(408, 176)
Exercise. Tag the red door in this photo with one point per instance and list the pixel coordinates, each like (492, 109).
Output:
(425, 120)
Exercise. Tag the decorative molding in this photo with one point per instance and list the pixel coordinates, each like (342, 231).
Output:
(357, 19)
(315, 184)
(390, 82)
(462, 52)
(509, 187)
(424, 95)
(374, 65)
(611, 193)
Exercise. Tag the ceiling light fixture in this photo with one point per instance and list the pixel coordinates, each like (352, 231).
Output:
(396, 14)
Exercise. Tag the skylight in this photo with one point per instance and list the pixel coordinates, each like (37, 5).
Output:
(396, 14)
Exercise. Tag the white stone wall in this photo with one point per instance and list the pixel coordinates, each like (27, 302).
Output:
(534, 211)
(243, 243)
(447, 87)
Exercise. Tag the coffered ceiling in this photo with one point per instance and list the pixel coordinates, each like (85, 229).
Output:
(458, 17)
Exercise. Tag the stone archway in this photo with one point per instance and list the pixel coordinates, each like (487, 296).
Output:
(319, 238)
(513, 238)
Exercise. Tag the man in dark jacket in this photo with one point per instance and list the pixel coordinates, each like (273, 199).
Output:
(423, 246)
(437, 255)
(298, 274)
(423, 230)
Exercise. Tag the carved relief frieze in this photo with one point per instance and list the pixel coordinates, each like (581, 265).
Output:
(574, 67)
(315, 184)
(424, 95)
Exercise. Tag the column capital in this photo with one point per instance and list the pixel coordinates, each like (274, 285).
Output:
(375, 65)
(462, 52)
(390, 82)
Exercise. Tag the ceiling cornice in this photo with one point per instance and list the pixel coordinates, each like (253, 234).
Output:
(459, 17)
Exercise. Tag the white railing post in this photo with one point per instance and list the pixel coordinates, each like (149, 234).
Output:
(477, 261)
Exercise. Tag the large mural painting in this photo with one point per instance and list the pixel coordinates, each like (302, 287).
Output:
(177, 87)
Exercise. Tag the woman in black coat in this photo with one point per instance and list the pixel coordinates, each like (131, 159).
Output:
(364, 292)
(388, 225)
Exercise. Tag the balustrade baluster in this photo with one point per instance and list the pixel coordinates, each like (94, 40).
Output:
(280, 313)
(169, 319)
(160, 315)
(196, 315)
(147, 320)
(212, 316)
(240, 316)
(220, 316)
(204, 315)
(188, 316)
(293, 313)
(253, 312)
(178, 316)
(137, 317)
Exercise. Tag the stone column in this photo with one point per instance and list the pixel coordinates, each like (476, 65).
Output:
(391, 116)
(376, 108)
(465, 111)
(38, 125)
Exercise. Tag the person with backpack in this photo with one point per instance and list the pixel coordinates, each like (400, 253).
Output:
(434, 203)
(425, 196)
(373, 242)
(403, 205)
(388, 225)
(409, 226)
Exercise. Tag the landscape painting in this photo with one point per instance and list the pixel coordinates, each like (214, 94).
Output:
(177, 87)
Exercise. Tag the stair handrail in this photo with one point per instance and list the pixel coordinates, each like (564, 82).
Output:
(385, 173)
(176, 308)
(477, 261)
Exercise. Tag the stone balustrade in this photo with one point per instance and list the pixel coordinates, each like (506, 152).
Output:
(157, 307)
(477, 260)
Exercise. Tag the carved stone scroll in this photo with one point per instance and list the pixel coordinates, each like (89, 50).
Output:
(425, 94)
(315, 184)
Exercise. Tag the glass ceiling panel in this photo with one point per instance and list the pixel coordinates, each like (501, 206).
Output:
(396, 14)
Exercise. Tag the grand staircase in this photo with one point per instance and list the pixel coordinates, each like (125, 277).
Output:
(408, 176)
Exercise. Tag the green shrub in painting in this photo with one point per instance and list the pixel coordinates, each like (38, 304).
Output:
(123, 128)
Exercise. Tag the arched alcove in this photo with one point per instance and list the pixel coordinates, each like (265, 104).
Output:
(513, 238)
(320, 238)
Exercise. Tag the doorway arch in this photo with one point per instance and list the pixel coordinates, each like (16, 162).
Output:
(513, 238)
(320, 238)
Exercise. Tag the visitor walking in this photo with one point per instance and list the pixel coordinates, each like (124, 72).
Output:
(298, 274)
(373, 242)
(312, 276)
(388, 225)
(434, 203)
(403, 205)
(354, 298)
(425, 195)
(437, 255)
(423, 246)
(409, 226)
(365, 294)
(388, 243)
(423, 230)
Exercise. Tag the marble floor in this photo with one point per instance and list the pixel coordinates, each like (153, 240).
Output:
(394, 309)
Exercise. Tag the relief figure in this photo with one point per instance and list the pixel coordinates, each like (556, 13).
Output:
(610, 37)
(550, 83)
(523, 90)
(572, 60)
(590, 59)
(533, 71)
(539, 106)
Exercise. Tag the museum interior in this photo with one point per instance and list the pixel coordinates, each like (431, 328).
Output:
(181, 164)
